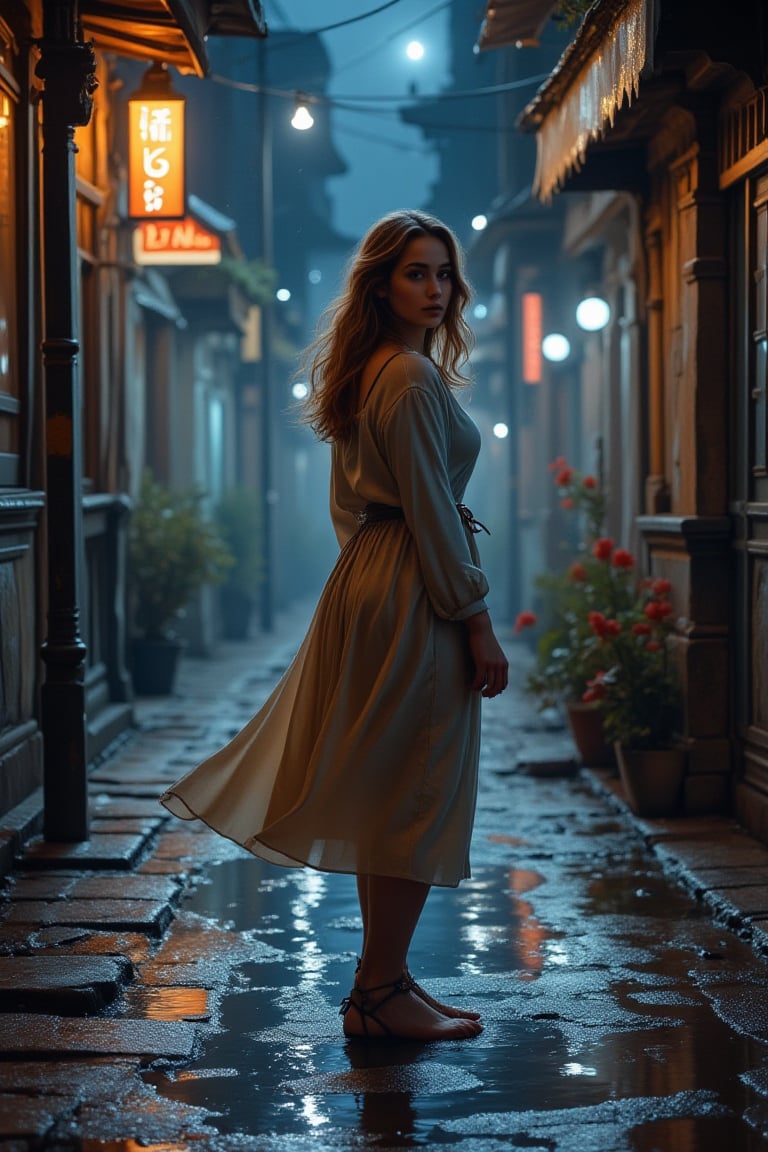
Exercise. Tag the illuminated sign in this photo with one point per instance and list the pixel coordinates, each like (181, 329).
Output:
(156, 157)
(532, 333)
(175, 242)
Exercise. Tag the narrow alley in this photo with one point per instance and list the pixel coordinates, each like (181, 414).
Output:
(161, 989)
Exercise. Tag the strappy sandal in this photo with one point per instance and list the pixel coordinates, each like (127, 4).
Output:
(414, 986)
(422, 993)
(358, 998)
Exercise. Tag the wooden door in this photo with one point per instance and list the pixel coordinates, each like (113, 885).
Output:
(749, 505)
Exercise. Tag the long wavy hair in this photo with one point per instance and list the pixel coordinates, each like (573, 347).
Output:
(359, 320)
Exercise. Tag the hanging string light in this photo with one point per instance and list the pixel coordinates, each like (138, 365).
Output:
(302, 117)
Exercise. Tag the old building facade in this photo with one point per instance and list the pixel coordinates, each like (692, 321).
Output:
(83, 332)
(651, 136)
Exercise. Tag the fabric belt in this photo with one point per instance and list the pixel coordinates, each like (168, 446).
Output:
(378, 513)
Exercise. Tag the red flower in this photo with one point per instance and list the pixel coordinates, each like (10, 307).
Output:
(524, 620)
(589, 482)
(596, 692)
(577, 572)
(566, 502)
(622, 559)
(603, 548)
(661, 586)
(641, 629)
(564, 477)
(558, 464)
(596, 689)
(653, 645)
(658, 610)
(603, 627)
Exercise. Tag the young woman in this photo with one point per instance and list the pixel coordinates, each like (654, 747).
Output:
(364, 759)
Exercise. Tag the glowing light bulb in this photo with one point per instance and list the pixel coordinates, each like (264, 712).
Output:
(302, 118)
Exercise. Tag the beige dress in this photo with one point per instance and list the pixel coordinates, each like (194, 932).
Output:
(364, 758)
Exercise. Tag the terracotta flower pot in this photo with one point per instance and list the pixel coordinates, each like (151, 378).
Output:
(652, 779)
(586, 724)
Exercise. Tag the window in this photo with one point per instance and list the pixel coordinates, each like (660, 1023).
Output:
(9, 383)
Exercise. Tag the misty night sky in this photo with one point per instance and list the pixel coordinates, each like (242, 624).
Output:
(388, 166)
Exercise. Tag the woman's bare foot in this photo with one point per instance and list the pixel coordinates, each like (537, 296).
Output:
(444, 1009)
(394, 1011)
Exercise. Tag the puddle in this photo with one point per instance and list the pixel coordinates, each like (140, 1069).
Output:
(589, 990)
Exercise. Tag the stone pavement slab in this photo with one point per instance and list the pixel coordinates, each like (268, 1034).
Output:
(23, 1117)
(132, 887)
(747, 901)
(128, 824)
(729, 850)
(69, 985)
(150, 916)
(33, 1035)
(137, 947)
(50, 886)
(113, 850)
(105, 806)
(738, 877)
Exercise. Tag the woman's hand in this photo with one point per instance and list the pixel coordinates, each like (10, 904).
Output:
(490, 664)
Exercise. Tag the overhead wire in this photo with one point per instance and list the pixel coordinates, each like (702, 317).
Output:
(343, 101)
(301, 32)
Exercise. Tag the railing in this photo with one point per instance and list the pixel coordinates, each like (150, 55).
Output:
(743, 137)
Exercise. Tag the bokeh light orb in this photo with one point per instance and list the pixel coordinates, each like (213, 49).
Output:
(555, 347)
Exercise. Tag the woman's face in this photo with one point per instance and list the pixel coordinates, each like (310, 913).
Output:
(420, 286)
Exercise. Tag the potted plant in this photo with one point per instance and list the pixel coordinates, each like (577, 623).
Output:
(238, 518)
(600, 577)
(639, 694)
(172, 551)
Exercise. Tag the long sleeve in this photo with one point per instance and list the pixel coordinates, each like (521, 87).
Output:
(415, 436)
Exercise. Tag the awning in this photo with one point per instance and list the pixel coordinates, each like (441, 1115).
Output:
(600, 68)
(171, 31)
(514, 22)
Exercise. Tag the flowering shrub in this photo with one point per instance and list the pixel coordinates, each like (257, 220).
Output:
(638, 690)
(606, 639)
(598, 579)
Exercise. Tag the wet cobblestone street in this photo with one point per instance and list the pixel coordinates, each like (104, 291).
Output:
(621, 1013)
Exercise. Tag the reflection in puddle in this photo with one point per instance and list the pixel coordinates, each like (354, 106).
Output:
(167, 1003)
(560, 1037)
(129, 1146)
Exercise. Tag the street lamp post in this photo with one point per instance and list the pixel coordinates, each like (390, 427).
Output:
(67, 66)
(267, 255)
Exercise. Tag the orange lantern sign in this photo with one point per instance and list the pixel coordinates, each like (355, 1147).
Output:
(156, 149)
(175, 242)
(532, 332)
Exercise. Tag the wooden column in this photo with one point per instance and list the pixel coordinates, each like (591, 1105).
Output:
(67, 69)
(656, 483)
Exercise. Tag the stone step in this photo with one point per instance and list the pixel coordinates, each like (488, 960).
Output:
(67, 985)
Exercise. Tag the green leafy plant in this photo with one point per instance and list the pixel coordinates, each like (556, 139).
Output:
(172, 551)
(607, 637)
(238, 517)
